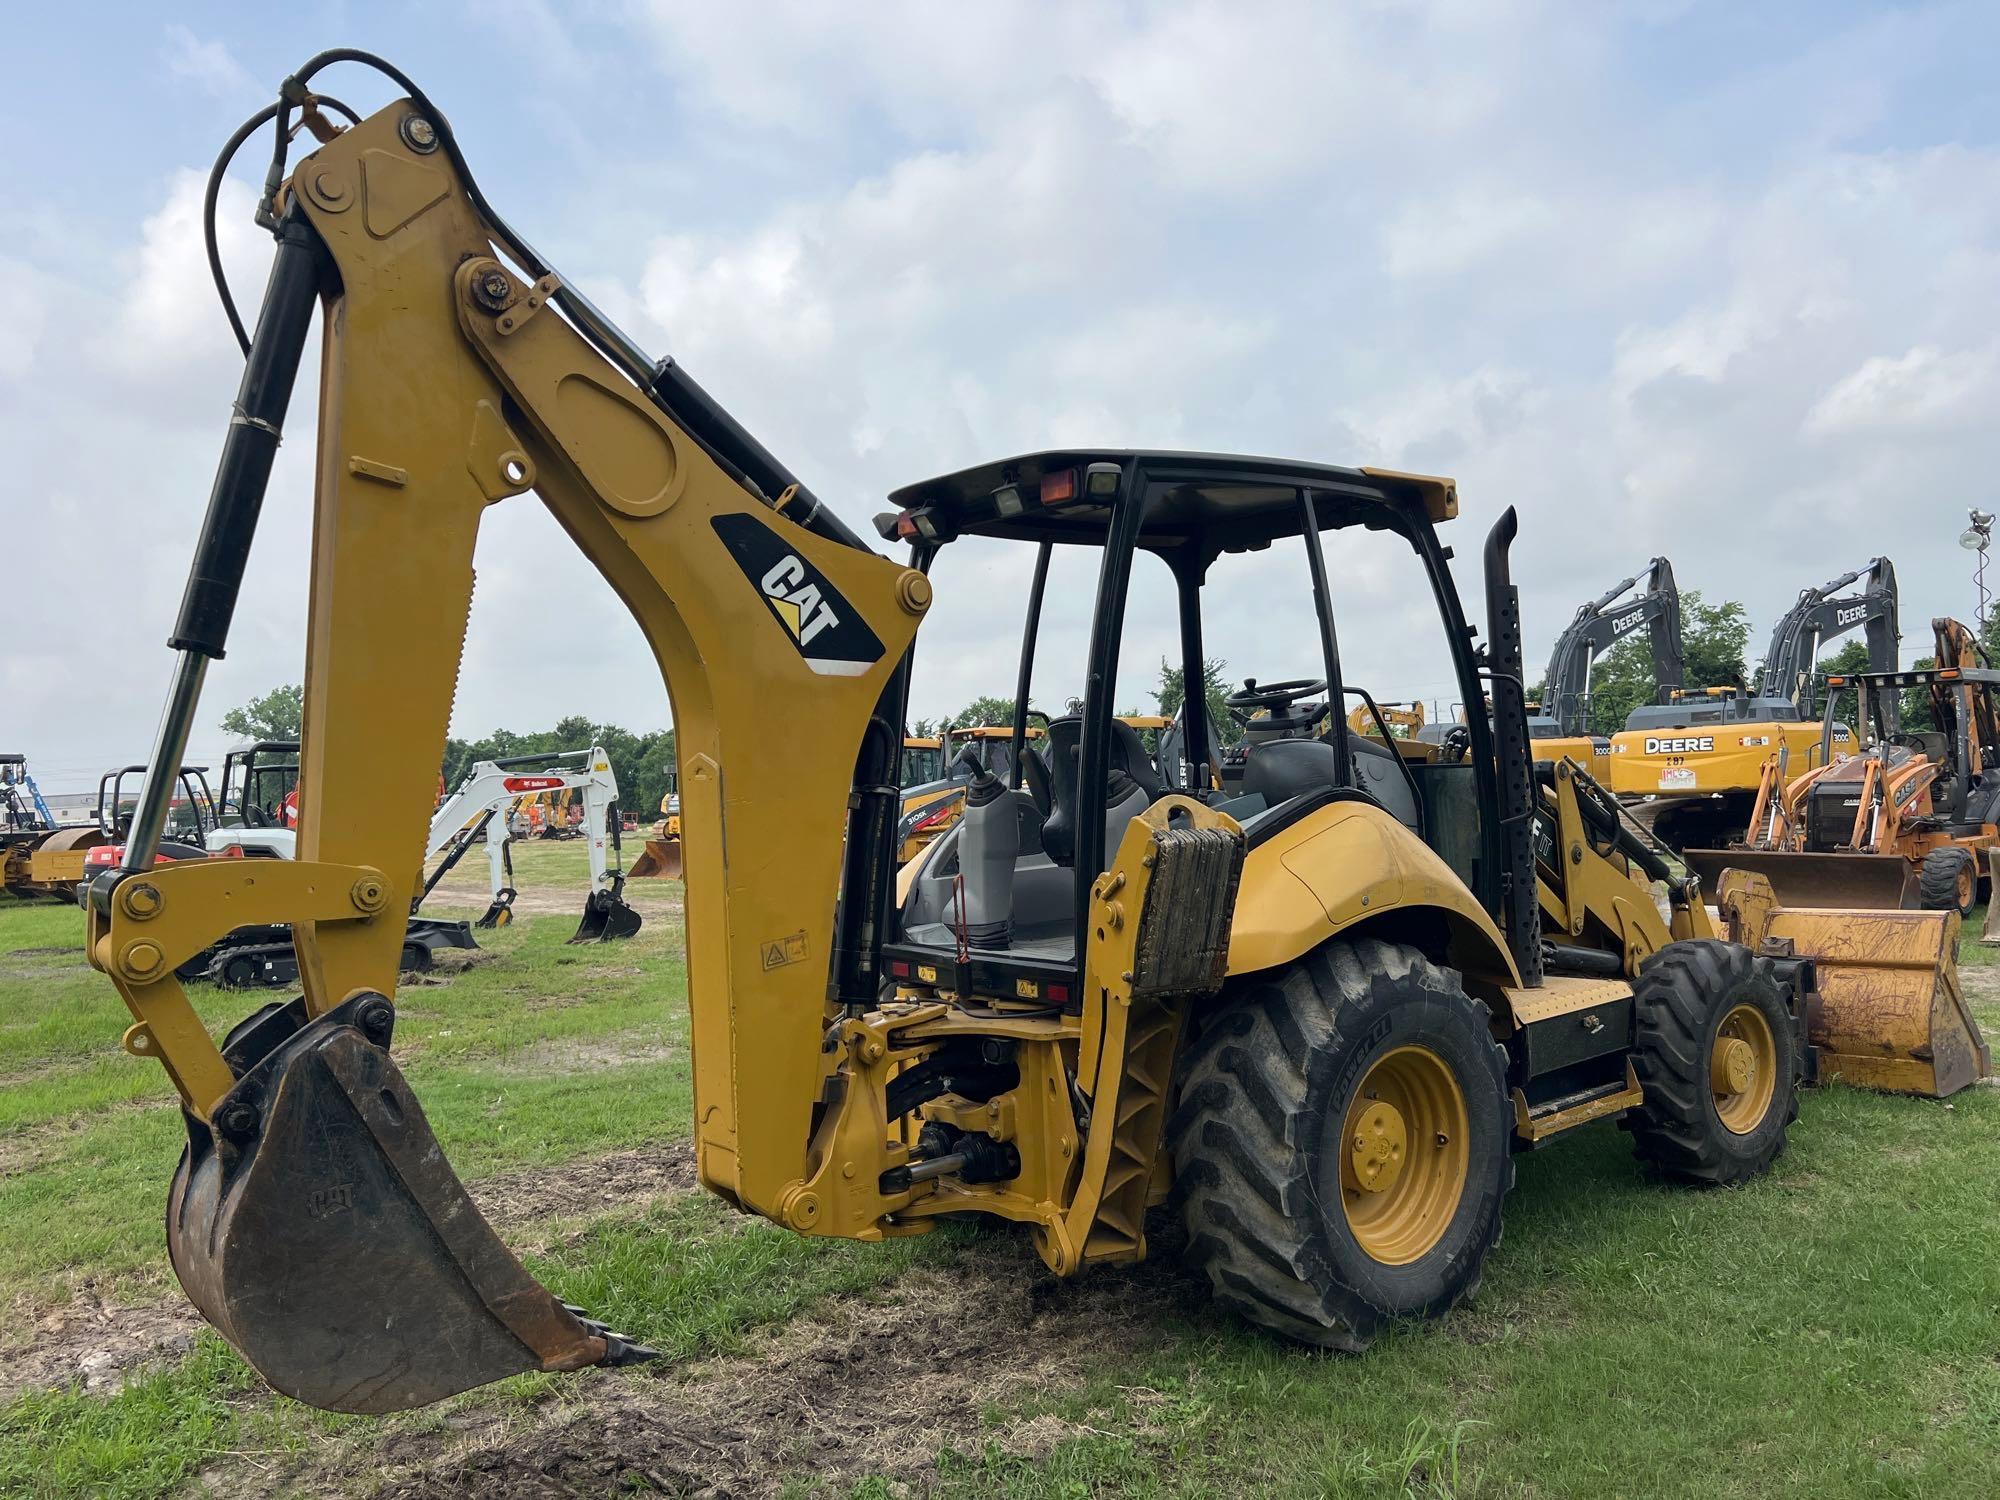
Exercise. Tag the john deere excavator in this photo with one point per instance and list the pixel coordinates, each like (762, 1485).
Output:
(1562, 728)
(1327, 1001)
(1908, 820)
(1698, 758)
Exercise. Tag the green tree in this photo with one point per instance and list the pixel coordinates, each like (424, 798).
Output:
(275, 716)
(1172, 693)
(1713, 640)
(988, 710)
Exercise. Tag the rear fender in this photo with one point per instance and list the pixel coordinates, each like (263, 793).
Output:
(1344, 865)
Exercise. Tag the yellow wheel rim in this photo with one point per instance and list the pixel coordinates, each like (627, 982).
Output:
(1403, 1155)
(1967, 885)
(1743, 1069)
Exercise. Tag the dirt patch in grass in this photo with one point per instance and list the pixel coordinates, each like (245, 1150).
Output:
(562, 1055)
(868, 1386)
(102, 1343)
(580, 1189)
(96, 1342)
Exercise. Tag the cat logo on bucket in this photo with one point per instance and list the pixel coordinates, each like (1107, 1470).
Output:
(823, 625)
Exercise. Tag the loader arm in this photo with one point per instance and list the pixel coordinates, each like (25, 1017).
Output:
(450, 384)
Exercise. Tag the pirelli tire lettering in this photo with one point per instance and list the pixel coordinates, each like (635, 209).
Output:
(829, 633)
(1657, 744)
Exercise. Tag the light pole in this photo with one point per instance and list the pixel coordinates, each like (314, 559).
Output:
(1978, 537)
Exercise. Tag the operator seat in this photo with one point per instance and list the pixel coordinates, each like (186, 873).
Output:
(1279, 770)
(1064, 738)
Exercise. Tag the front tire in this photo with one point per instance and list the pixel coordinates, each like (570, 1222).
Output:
(1719, 1055)
(1948, 880)
(1342, 1145)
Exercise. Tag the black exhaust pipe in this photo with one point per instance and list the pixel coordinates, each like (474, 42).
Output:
(1523, 917)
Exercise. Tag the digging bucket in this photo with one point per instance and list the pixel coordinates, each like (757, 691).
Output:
(1890, 1014)
(1868, 882)
(659, 860)
(606, 918)
(318, 1226)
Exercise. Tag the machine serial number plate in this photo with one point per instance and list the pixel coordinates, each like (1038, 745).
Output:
(1680, 779)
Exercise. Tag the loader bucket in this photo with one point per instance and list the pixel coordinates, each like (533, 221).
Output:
(318, 1226)
(606, 918)
(659, 860)
(1870, 882)
(1890, 1015)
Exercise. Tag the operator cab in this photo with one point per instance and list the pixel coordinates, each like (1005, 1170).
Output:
(1000, 899)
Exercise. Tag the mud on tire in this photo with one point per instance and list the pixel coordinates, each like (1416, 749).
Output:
(1948, 880)
(1684, 994)
(1259, 1139)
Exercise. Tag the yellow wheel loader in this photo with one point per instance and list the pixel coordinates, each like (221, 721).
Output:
(1321, 1006)
(1697, 757)
(661, 858)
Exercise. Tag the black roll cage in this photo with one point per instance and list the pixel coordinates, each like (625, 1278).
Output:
(1188, 553)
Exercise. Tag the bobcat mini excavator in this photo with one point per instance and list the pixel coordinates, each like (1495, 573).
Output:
(1327, 1000)
(1700, 756)
(480, 804)
(1562, 728)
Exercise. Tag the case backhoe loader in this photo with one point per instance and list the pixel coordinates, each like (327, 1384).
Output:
(1326, 1002)
(1905, 822)
(1562, 728)
(1698, 757)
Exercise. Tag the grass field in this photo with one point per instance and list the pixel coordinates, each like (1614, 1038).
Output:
(1833, 1329)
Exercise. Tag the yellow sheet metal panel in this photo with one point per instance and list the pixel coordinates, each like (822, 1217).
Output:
(1344, 864)
(1711, 757)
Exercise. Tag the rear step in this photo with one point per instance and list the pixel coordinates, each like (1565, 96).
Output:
(1535, 1123)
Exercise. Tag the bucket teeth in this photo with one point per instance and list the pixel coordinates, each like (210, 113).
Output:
(619, 1348)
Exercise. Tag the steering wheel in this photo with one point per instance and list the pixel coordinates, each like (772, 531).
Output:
(1275, 699)
(1908, 741)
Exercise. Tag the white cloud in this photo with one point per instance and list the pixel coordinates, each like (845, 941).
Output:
(208, 65)
(1661, 297)
(1925, 390)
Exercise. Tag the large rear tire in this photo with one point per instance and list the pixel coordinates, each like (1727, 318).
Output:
(1948, 880)
(1720, 1056)
(1342, 1144)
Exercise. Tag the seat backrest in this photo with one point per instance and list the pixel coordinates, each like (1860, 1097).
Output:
(1035, 777)
(1128, 754)
(1062, 738)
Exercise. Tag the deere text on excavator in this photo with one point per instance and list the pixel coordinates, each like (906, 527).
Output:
(1329, 999)
(1700, 755)
(1562, 727)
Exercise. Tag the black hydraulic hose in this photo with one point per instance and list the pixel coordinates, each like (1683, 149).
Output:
(679, 395)
(213, 192)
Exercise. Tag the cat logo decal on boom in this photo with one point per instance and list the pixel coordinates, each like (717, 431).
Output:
(832, 638)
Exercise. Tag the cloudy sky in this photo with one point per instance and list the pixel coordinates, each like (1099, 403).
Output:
(1716, 280)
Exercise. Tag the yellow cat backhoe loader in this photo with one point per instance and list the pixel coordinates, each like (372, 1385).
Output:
(1328, 1000)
